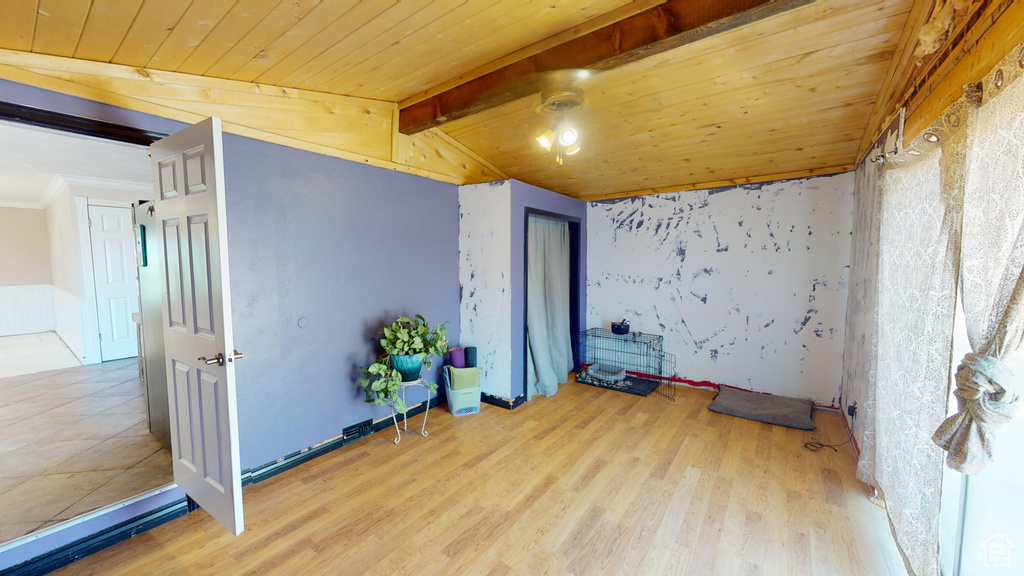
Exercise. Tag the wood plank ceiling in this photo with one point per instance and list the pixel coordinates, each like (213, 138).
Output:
(788, 95)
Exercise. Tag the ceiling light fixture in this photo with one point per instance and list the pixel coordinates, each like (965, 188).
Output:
(564, 138)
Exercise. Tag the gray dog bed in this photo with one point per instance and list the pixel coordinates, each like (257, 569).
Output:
(780, 410)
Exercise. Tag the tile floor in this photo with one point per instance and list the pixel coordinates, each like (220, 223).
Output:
(29, 353)
(71, 441)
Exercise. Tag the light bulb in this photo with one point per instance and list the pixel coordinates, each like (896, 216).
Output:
(546, 140)
(567, 135)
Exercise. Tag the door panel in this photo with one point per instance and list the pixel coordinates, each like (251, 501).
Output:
(113, 254)
(175, 303)
(203, 312)
(189, 176)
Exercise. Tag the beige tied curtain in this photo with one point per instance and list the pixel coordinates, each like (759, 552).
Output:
(988, 391)
(985, 404)
(951, 213)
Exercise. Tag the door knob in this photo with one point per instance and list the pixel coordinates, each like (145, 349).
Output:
(218, 360)
(235, 356)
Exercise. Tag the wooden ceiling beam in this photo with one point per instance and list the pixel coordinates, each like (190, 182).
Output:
(673, 24)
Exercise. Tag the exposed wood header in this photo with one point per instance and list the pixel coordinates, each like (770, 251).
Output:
(673, 24)
(356, 129)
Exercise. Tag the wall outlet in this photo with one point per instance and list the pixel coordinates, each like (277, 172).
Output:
(852, 409)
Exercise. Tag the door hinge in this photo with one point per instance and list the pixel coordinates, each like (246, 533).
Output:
(90, 222)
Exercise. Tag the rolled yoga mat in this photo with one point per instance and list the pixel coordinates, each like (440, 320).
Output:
(458, 357)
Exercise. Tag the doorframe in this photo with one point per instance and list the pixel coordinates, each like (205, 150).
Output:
(63, 122)
(575, 261)
(64, 541)
(76, 124)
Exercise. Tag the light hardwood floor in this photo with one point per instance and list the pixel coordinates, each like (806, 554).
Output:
(590, 481)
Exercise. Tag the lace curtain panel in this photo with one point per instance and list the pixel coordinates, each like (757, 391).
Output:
(988, 392)
(915, 305)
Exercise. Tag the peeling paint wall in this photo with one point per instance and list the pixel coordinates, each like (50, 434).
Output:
(485, 288)
(748, 284)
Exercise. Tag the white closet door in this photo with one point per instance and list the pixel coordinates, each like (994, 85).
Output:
(117, 298)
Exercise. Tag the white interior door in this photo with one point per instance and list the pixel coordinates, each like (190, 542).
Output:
(117, 296)
(188, 173)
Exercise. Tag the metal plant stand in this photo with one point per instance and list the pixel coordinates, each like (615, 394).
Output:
(405, 419)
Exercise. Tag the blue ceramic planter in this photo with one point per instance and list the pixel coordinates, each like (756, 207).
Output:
(408, 366)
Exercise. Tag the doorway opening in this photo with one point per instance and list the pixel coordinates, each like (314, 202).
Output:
(74, 437)
(572, 261)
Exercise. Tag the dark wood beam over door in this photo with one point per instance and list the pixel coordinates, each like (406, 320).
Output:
(673, 24)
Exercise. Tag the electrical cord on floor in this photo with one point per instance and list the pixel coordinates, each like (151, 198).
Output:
(815, 446)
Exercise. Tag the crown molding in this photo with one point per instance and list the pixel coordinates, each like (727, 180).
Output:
(106, 183)
(57, 185)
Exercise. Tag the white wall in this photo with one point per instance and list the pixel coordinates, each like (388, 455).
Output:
(24, 260)
(88, 318)
(62, 233)
(746, 283)
(67, 321)
(485, 300)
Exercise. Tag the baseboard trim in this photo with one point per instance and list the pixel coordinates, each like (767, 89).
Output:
(506, 403)
(271, 469)
(414, 411)
(70, 553)
(348, 436)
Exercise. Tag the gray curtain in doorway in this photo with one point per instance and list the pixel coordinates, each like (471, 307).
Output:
(549, 344)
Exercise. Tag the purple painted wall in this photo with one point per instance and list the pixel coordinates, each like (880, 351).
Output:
(38, 544)
(344, 245)
(526, 196)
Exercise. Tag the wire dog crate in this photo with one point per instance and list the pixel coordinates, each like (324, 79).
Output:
(633, 363)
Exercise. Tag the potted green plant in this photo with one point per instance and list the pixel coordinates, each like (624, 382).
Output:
(409, 346)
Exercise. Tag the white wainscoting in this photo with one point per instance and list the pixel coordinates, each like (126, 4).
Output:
(67, 316)
(26, 309)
